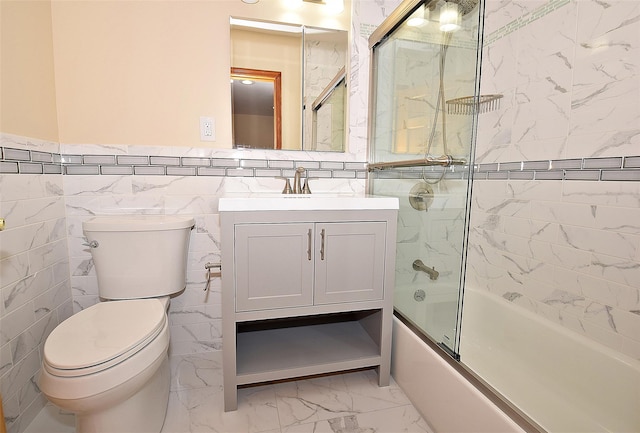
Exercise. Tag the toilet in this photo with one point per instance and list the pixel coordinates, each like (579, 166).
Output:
(109, 364)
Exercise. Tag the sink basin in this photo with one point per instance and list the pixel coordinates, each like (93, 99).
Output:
(320, 201)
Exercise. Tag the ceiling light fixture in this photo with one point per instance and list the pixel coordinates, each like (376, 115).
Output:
(293, 4)
(449, 17)
(419, 17)
(333, 7)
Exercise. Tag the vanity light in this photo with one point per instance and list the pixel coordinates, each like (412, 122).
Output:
(449, 17)
(334, 6)
(250, 2)
(419, 18)
(248, 82)
(293, 4)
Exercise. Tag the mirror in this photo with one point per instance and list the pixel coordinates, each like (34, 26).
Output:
(309, 59)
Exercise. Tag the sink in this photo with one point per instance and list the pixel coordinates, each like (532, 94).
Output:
(319, 201)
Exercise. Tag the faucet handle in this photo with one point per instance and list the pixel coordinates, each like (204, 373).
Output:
(287, 186)
(305, 188)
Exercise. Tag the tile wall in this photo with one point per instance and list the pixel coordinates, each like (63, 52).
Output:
(555, 224)
(47, 192)
(35, 291)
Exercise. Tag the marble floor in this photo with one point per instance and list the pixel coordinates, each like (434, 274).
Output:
(344, 403)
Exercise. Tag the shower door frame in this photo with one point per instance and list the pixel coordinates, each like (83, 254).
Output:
(379, 36)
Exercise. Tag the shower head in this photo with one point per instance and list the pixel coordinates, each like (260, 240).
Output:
(465, 6)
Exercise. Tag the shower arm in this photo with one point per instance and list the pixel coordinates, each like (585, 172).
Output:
(428, 161)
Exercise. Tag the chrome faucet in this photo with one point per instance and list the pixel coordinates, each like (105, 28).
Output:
(419, 266)
(297, 188)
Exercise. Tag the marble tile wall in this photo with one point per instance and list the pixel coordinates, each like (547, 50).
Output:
(48, 190)
(194, 315)
(555, 217)
(35, 293)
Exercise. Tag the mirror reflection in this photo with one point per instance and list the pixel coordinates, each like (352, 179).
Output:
(310, 62)
(328, 127)
(255, 104)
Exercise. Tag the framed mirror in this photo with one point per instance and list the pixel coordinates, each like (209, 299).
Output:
(308, 59)
(256, 97)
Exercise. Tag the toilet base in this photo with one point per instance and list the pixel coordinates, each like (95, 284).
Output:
(143, 412)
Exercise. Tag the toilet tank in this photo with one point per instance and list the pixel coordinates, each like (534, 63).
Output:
(139, 256)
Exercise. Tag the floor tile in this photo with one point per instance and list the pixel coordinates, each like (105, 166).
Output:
(395, 420)
(196, 371)
(340, 403)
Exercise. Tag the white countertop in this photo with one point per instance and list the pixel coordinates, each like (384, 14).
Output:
(319, 201)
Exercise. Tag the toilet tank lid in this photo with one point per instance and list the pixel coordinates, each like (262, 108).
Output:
(136, 223)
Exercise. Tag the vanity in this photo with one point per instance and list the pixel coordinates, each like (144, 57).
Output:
(307, 286)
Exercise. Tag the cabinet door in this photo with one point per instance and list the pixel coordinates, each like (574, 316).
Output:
(274, 266)
(349, 262)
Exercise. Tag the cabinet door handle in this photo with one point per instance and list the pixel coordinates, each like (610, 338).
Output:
(322, 245)
(309, 245)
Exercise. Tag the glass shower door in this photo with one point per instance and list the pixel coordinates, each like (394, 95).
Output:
(424, 78)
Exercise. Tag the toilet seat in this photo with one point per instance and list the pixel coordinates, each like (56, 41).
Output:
(102, 336)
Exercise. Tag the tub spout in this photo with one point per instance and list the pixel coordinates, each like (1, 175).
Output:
(419, 266)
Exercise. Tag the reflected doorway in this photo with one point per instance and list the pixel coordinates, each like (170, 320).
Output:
(256, 108)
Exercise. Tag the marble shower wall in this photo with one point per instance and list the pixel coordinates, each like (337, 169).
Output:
(35, 294)
(563, 242)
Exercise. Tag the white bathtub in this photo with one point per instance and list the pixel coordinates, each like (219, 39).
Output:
(436, 314)
(446, 400)
(563, 381)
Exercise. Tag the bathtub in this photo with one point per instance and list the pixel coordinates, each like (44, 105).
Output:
(564, 382)
(436, 313)
(444, 397)
(552, 382)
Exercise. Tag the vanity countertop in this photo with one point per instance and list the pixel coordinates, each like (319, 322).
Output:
(320, 201)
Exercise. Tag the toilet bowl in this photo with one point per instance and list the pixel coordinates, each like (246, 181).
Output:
(96, 361)
(108, 364)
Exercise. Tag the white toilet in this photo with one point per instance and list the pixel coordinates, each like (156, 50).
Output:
(108, 363)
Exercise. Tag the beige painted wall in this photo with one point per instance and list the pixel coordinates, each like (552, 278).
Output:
(143, 72)
(27, 87)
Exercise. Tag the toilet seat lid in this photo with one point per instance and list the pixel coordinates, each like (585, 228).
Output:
(104, 332)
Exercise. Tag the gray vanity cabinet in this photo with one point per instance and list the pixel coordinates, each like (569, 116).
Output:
(301, 264)
(274, 267)
(350, 266)
(305, 293)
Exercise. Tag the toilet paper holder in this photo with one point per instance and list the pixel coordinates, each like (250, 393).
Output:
(208, 266)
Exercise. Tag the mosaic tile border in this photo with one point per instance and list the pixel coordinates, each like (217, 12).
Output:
(23, 161)
(524, 20)
(620, 168)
